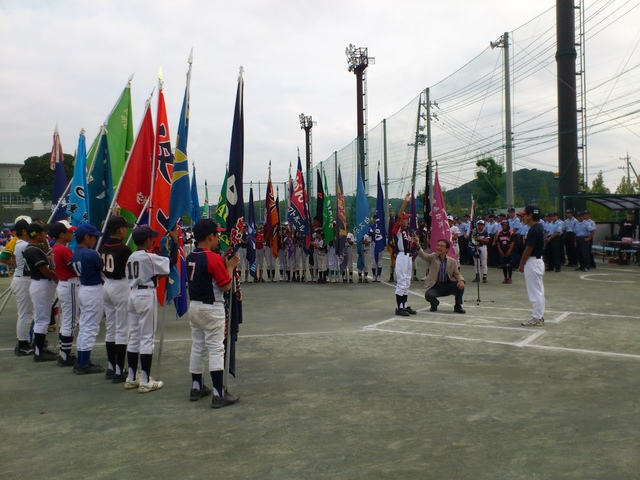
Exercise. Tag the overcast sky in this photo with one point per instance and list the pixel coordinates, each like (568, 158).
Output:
(66, 63)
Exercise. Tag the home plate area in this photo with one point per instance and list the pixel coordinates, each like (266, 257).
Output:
(571, 332)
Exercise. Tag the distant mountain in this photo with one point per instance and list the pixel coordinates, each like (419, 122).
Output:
(526, 188)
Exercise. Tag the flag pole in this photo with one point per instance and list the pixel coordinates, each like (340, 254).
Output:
(161, 341)
(227, 359)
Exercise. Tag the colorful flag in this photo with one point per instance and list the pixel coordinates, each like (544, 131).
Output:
(195, 202)
(440, 226)
(180, 200)
(272, 221)
(135, 185)
(77, 207)
(177, 282)
(58, 204)
(251, 232)
(159, 205)
(341, 243)
(235, 196)
(119, 127)
(205, 207)
(297, 213)
(235, 213)
(362, 211)
(327, 212)
(380, 226)
(222, 213)
(99, 184)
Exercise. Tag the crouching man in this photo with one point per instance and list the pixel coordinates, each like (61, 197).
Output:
(444, 276)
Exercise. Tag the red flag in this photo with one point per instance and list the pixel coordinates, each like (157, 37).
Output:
(439, 225)
(159, 207)
(135, 186)
(272, 222)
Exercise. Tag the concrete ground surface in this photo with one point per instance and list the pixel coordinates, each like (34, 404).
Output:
(334, 386)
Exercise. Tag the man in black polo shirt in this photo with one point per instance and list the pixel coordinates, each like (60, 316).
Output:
(532, 264)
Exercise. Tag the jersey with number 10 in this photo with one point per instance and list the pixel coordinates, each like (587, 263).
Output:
(144, 267)
(114, 256)
(206, 273)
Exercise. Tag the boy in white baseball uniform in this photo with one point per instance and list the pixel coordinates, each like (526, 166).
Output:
(143, 269)
(114, 255)
(20, 288)
(209, 277)
(41, 290)
(88, 265)
(67, 290)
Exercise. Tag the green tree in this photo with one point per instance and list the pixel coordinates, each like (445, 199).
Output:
(628, 188)
(599, 213)
(491, 183)
(543, 200)
(38, 176)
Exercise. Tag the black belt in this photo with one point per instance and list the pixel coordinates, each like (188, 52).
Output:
(144, 287)
(538, 256)
(206, 302)
(38, 279)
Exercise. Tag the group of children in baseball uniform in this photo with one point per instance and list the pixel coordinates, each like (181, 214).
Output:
(120, 284)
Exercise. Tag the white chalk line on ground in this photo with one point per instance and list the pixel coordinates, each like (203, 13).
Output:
(587, 277)
(526, 342)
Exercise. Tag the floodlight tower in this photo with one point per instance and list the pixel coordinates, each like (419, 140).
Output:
(306, 124)
(358, 60)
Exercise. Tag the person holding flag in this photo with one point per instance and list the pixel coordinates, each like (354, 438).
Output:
(403, 245)
(210, 276)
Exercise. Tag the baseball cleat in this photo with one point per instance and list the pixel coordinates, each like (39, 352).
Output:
(196, 395)
(87, 369)
(130, 384)
(226, 399)
(150, 386)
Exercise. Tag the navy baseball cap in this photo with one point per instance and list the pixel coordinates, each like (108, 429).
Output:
(87, 229)
(530, 210)
(141, 233)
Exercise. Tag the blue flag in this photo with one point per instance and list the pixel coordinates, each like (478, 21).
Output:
(251, 232)
(59, 180)
(99, 184)
(235, 194)
(180, 198)
(77, 207)
(362, 211)
(195, 202)
(380, 226)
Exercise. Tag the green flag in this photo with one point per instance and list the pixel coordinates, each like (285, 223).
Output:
(119, 135)
(327, 214)
(221, 214)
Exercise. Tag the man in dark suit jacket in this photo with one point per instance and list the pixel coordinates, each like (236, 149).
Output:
(444, 277)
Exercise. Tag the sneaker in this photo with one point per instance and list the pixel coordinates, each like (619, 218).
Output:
(196, 395)
(45, 356)
(433, 308)
(109, 374)
(69, 362)
(23, 351)
(87, 369)
(509, 280)
(484, 279)
(506, 280)
(534, 322)
(130, 384)
(402, 312)
(150, 386)
(459, 309)
(119, 378)
(410, 310)
(226, 399)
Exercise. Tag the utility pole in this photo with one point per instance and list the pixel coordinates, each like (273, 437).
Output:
(503, 42)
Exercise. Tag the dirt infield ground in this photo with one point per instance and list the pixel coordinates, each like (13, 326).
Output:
(334, 386)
